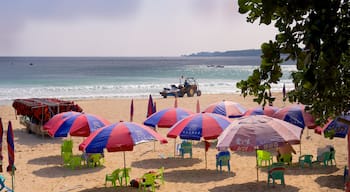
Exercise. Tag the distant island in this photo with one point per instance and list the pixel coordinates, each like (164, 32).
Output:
(248, 52)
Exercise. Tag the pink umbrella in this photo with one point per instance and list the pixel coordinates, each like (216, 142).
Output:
(226, 108)
(266, 110)
(257, 132)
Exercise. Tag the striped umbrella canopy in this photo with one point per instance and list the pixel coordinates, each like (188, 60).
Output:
(296, 115)
(226, 108)
(200, 125)
(1, 134)
(167, 117)
(76, 124)
(266, 110)
(335, 127)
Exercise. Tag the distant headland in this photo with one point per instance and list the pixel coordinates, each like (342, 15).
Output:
(236, 53)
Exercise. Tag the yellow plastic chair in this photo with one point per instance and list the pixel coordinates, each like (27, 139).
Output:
(263, 156)
(66, 156)
(125, 174)
(186, 147)
(113, 177)
(95, 160)
(67, 146)
(75, 162)
(147, 180)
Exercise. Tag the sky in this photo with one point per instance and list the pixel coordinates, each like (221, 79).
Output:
(125, 27)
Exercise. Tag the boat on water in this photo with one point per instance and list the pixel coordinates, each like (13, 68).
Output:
(217, 66)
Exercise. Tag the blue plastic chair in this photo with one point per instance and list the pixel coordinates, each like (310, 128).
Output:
(223, 159)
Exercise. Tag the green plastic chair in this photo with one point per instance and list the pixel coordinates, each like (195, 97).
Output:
(332, 158)
(263, 156)
(2, 184)
(285, 158)
(66, 156)
(326, 158)
(113, 177)
(125, 174)
(147, 180)
(305, 159)
(95, 160)
(160, 175)
(75, 162)
(186, 147)
(67, 146)
(275, 173)
(223, 159)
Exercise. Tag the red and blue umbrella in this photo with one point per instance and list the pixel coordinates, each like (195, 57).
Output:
(122, 136)
(335, 128)
(200, 125)
(167, 117)
(296, 115)
(151, 107)
(1, 134)
(10, 148)
(266, 110)
(226, 108)
(76, 124)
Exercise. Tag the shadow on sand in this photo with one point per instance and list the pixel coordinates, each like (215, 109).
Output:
(331, 181)
(60, 171)
(166, 163)
(110, 189)
(48, 160)
(196, 176)
(254, 186)
(315, 170)
(22, 137)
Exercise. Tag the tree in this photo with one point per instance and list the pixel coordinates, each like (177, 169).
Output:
(313, 34)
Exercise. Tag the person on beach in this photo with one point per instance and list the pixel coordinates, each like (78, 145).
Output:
(286, 148)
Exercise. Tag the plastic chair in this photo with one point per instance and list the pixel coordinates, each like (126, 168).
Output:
(67, 146)
(125, 174)
(75, 162)
(2, 184)
(275, 173)
(186, 147)
(147, 180)
(95, 160)
(160, 174)
(305, 159)
(263, 156)
(285, 158)
(67, 156)
(325, 158)
(223, 159)
(113, 177)
(332, 158)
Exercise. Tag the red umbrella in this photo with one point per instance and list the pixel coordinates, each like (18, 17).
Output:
(226, 108)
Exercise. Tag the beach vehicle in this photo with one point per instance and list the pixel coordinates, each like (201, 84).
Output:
(35, 112)
(189, 87)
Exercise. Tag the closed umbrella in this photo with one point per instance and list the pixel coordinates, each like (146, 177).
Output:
(1, 134)
(11, 153)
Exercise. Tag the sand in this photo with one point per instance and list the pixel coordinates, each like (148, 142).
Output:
(39, 164)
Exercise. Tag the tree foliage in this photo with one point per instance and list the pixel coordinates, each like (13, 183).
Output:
(314, 34)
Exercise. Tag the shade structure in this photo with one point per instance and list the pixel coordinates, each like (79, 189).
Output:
(226, 108)
(121, 136)
(258, 132)
(200, 125)
(296, 115)
(76, 124)
(266, 110)
(167, 117)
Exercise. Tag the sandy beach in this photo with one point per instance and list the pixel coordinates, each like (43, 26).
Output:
(39, 164)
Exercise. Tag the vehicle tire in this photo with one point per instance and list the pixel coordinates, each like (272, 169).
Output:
(199, 93)
(164, 96)
(190, 92)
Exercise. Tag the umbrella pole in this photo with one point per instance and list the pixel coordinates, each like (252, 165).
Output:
(257, 166)
(205, 158)
(174, 147)
(126, 184)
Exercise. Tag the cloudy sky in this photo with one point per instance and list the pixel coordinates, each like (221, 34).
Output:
(125, 27)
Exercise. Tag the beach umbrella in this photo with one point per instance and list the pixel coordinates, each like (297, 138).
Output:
(150, 107)
(266, 110)
(81, 124)
(335, 127)
(121, 136)
(1, 134)
(131, 110)
(255, 132)
(296, 115)
(200, 125)
(226, 108)
(167, 117)
(11, 152)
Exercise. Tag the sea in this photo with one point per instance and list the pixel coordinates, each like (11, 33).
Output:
(75, 78)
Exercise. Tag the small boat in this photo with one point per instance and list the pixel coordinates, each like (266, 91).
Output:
(219, 66)
(210, 65)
